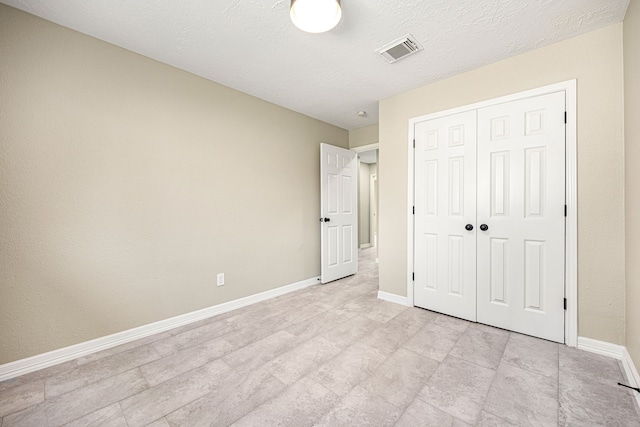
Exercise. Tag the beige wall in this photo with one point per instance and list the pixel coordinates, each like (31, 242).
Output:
(363, 204)
(595, 60)
(126, 185)
(632, 191)
(363, 136)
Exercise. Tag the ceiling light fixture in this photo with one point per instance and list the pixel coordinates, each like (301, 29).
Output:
(315, 16)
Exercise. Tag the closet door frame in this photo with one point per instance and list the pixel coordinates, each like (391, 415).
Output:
(571, 224)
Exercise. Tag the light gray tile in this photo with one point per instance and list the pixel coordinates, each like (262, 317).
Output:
(533, 354)
(122, 348)
(415, 318)
(289, 367)
(77, 403)
(589, 367)
(489, 420)
(158, 401)
(301, 404)
(194, 336)
(260, 352)
(37, 375)
(252, 333)
(348, 368)
(98, 370)
(159, 423)
(434, 341)
(21, 397)
(319, 324)
(420, 414)
(490, 329)
(346, 333)
(395, 333)
(384, 311)
(183, 361)
(227, 404)
(363, 408)
(400, 377)
(459, 388)
(480, 347)
(257, 314)
(110, 416)
(202, 322)
(360, 304)
(346, 294)
(588, 402)
(452, 322)
(523, 397)
(294, 315)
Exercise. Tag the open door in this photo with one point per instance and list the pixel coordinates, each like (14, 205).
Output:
(338, 212)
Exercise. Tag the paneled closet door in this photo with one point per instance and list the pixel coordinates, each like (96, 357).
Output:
(445, 213)
(520, 216)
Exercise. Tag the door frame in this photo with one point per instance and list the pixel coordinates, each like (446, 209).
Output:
(361, 149)
(571, 194)
(373, 184)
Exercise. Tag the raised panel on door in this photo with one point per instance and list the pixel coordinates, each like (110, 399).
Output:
(339, 256)
(521, 173)
(445, 253)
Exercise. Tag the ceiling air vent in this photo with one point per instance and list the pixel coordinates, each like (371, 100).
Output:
(400, 48)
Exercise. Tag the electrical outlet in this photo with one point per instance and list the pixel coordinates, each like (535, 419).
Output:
(220, 279)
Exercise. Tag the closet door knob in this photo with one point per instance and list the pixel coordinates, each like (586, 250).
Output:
(468, 227)
(484, 227)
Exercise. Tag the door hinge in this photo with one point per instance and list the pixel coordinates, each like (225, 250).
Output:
(413, 276)
(565, 210)
(414, 143)
(565, 303)
(565, 117)
(414, 210)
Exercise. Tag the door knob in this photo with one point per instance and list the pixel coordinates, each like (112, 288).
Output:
(325, 219)
(484, 227)
(468, 227)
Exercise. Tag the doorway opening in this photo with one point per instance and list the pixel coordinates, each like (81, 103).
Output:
(368, 197)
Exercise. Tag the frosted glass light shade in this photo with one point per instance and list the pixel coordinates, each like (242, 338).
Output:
(315, 16)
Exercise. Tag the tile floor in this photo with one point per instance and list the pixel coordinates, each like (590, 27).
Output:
(329, 355)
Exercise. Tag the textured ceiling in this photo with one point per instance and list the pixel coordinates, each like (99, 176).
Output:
(252, 46)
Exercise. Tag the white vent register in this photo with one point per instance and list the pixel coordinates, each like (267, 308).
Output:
(400, 48)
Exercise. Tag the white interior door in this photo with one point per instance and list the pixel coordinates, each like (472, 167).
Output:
(338, 212)
(521, 198)
(445, 203)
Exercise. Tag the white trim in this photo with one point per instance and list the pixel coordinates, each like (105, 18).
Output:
(367, 147)
(601, 347)
(632, 373)
(40, 361)
(571, 229)
(396, 299)
(366, 245)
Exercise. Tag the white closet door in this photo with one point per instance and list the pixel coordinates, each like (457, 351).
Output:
(445, 202)
(521, 186)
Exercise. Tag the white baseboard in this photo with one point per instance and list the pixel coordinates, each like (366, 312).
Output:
(44, 360)
(366, 245)
(601, 347)
(397, 299)
(632, 373)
